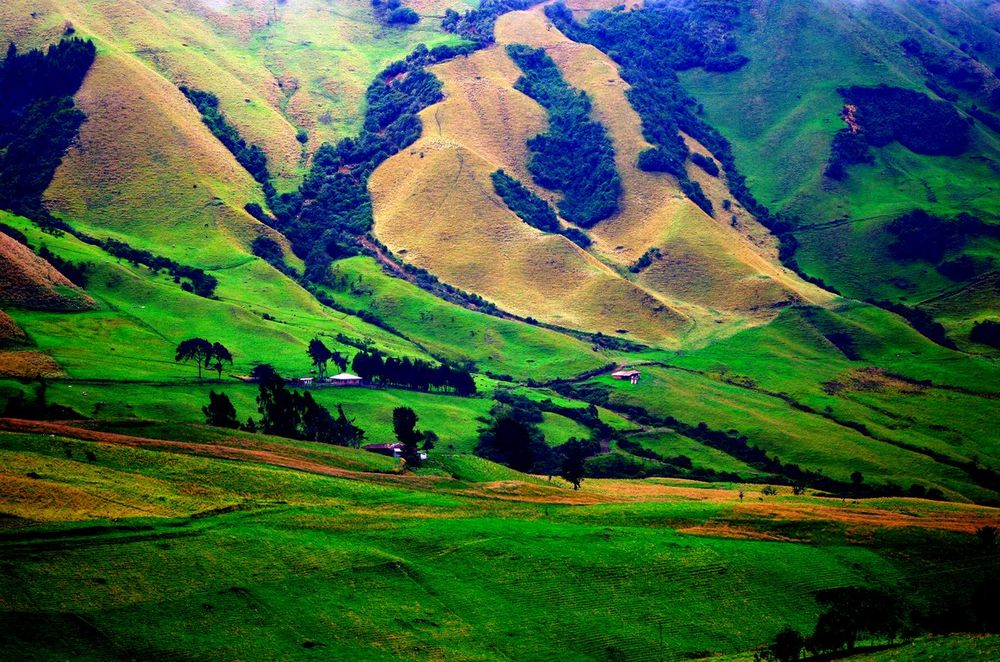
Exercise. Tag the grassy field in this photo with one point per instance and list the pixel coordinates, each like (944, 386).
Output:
(221, 545)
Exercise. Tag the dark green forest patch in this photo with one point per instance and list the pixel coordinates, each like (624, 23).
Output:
(575, 155)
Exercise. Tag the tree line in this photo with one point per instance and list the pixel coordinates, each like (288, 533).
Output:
(375, 367)
(884, 114)
(575, 155)
(532, 209)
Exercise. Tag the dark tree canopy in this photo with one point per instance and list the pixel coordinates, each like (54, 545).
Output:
(404, 424)
(515, 443)
(220, 411)
(574, 155)
(38, 119)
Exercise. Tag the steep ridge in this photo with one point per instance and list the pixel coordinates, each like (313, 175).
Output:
(713, 271)
(442, 182)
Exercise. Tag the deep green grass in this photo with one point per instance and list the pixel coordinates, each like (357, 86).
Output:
(317, 566)
(733, 384)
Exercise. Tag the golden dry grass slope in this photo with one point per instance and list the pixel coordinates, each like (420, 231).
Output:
(28, 281)
(434, 204)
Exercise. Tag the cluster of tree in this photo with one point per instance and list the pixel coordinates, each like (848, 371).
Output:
(575, 155)
(921, 321)
(270, 251)
(923, 236)
(191, 279)
(38, 119)
(321, 355)
(955, 69)
(646, 259)
(705, 163)
(203, 353)
(75, 271)
(477, 24)
(883, 114)
(250, 156)
(533, 210)
(392, 12)
(297, 415)
(38, 407)
(514, 441)
(986, 332)
(374, 366)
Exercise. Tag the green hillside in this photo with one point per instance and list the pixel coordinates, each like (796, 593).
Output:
(709, 372)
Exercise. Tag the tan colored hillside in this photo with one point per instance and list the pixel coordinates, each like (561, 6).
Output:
(434, 204)
(28, 281)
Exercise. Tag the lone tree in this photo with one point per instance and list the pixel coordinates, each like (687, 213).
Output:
(404, 424)
(220, 355)
(574, 454)
(198, 350)
(320, 355)
(220, 411)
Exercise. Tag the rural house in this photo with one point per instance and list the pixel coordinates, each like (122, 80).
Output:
(392, 450)
(346, 379)
(629, 375)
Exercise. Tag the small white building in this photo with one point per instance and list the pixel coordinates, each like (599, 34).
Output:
(627, 375)
(346, 379)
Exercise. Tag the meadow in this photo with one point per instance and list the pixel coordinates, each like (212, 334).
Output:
(220, 549)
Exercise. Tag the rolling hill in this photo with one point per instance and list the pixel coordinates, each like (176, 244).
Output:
(784, 216)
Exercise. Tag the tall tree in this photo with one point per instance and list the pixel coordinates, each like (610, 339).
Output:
(574, 455)
(320, 355)
(198, 350)
(220, 354)
(345, 432)
(220, 411)
(404, 424)
(516, 443)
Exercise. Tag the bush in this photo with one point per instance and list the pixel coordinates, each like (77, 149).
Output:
(402, 16)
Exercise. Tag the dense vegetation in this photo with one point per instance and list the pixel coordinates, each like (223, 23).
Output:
(297, 415)
(533, 210)
(651, 45)
(38, 119)
(251, 157)
(332, 206)
(877, 116)
(574, 155)
(392, 12)
(923, 236)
